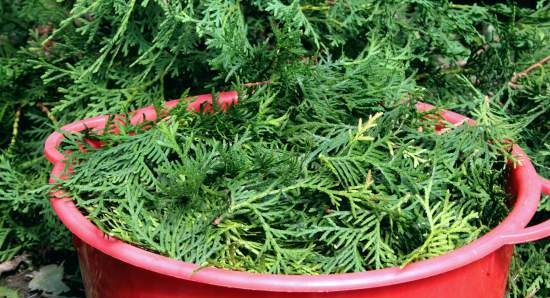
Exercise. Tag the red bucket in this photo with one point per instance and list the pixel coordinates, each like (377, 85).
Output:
(112, 268)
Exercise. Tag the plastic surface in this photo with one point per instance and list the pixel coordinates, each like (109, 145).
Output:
(112, 268)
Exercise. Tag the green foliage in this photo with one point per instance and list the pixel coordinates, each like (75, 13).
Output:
(529, 273)
(83, 58)
(294, 185)
(8, 293)
(26, 220)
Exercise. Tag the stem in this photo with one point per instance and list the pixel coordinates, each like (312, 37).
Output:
(256, 84)
(484, 48)
(314, 7)
(15, 131)
(526, 71)
(264, 194)
(69, 21)
(31, 162)
(46, 111)
(460, 6)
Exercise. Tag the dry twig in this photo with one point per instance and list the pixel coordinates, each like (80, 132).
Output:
(526, 72)
(256, 84)
(13, 263)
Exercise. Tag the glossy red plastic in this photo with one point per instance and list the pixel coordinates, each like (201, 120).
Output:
(112, 268)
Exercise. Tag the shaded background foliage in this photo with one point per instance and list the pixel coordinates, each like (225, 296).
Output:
(66, 60)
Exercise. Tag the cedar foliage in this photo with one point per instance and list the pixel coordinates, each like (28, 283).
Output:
(82, 58)
(296, 184)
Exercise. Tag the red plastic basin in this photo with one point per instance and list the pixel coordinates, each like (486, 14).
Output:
(112, 268)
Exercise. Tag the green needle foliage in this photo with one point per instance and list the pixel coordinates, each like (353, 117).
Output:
(328, 64)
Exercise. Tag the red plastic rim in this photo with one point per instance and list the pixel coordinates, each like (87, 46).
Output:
(511, 230)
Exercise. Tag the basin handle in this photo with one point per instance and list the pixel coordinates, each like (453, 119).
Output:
(536, 232)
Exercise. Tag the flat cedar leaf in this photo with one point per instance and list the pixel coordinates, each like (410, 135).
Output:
(49, 279)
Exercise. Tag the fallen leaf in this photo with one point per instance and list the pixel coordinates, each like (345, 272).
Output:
(49, 279)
